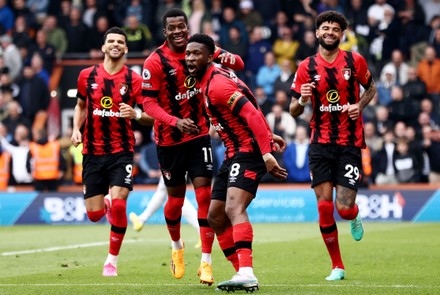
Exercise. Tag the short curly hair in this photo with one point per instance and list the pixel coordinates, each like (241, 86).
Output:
(204, 39)
(331, 16)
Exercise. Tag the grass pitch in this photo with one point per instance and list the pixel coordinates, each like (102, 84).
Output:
(392, 258)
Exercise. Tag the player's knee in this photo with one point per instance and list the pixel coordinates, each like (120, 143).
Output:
(95, 216)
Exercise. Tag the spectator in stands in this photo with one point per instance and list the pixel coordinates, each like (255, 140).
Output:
(426, 106)
(90, 13)
(47, 164)
(268, 10)
(373, 141)
(96, 37)
(301, 10)
(285, 47)
(139, 37)
(258, 46)
(401, 109)
(281, 123)
(230, 19)
(216, 12)
(406, 163)
(281, 20)
(431, 144)
(349, 41)
(34, 94)
(56, 36)
(415, 146)
(37, 64)
(398, 67)
(6, 17)
(19, 151)
(249, 15)
(64, 13)
(285, 79)
(11, 56)
(198, 15)
(414, 88)
(382, 162)
(237, 45)
(22, 34)
(376, 12)
(386, 82)
(5, 99)
(77, 32)
(263, 102)
(45, 50)
(308, 47)
(149, 163)
(382, 121)
(38, 8)
(295, 157)
(411, 18)
(428, 71)
(21, 9)
(330, 5)
(282, 98)
(267, 74)
(399, 130)
(208, 29)
(431, 8)
(356, 13)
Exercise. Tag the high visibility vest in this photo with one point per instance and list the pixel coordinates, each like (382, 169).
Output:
(5, 160)
(46, 160)
(366, 161)
(77, 157)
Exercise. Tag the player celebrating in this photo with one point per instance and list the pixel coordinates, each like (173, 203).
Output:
(106, 94)
(181, 133)
(331, 80)
(234, 114)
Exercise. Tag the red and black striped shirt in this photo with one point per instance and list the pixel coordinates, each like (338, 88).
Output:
(337, 86)
(105, 132)
(225, 97)
(166, 81)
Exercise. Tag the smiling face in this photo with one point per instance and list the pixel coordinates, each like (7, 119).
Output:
(176, 32)
(329, 35)
(115, 46)
(197, 58)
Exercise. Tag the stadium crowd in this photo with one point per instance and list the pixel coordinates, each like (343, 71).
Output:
(400, 39)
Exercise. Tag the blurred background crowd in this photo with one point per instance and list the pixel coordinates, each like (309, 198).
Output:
(399, 38)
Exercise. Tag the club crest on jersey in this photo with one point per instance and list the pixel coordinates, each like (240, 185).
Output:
(123, 88)
(146, 75)
(346, 72)
(167, 174)
(190, 82)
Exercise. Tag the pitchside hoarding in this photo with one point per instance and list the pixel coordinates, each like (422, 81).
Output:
(270, 206)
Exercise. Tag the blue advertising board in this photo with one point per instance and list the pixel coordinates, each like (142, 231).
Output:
(269, 206)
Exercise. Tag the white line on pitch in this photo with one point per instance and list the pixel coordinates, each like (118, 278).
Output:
(192, 285)
(67, 247)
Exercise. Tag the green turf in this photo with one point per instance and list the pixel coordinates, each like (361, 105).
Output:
(393, 258)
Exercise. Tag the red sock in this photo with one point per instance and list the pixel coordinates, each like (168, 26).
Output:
(243, 236)
(349, 214)
(117, 232)
(329, 232)
(226, 243)
(203, 197)
(173, 214)
(95, 216)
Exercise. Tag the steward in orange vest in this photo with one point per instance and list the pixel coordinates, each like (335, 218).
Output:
(5, 162)
(48, 166)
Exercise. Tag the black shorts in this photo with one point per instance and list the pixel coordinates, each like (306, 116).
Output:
(194, 157)
(341, 165)
(244, 171)
(103, 171)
